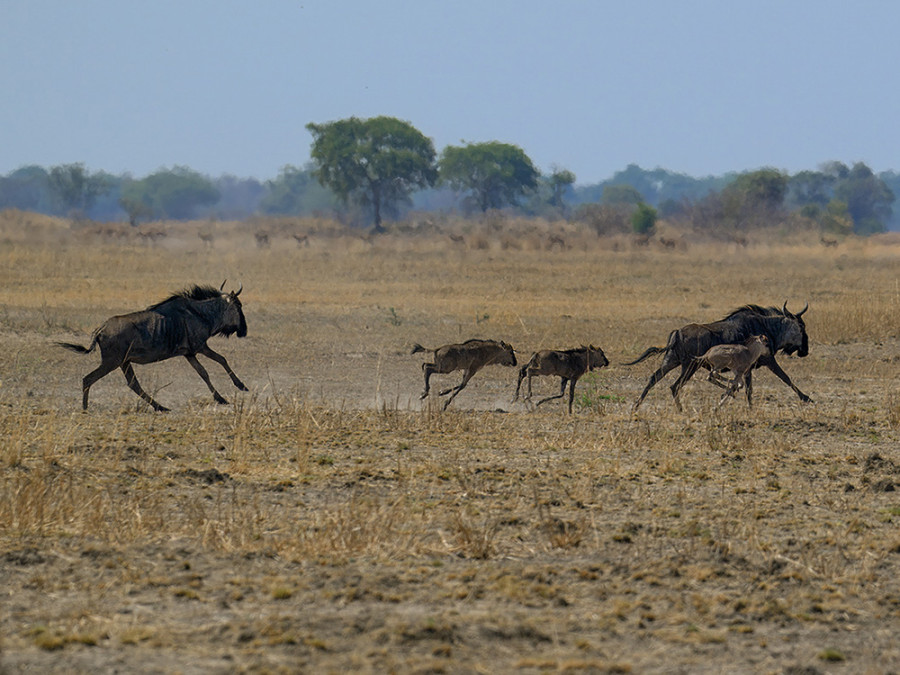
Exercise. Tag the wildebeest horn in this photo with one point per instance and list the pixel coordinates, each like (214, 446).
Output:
(223, 285)
(800, 313)
(239, 290)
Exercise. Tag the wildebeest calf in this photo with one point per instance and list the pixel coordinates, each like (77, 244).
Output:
(569, 365)
(739, 359)
(470, 357)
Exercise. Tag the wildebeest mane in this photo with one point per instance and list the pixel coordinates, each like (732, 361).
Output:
(755, 309)
(195, 292)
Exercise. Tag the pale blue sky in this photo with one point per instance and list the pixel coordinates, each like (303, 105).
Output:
(696, 86)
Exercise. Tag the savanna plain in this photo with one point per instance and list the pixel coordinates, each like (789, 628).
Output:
(328, 520)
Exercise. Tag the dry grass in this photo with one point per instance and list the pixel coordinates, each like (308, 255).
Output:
(329, 521)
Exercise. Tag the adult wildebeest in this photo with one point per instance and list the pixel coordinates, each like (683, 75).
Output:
(177, 326)
(738, 359)
(569, 365)
(786, 332)
(470, 356)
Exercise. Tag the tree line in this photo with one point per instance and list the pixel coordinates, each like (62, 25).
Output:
(364, 171)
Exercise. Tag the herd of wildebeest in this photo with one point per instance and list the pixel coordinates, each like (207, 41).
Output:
(181, 325)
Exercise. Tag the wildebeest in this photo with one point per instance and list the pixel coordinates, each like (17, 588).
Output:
(569, 365)
(470, 356)
(177, 326)
(739, 359)
(786, 332)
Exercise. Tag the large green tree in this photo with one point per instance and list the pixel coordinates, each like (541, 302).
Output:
(495, 174)
(377, 162)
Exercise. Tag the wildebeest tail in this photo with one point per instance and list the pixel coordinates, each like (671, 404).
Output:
(650, 352)
(419, 348)
(78, 348)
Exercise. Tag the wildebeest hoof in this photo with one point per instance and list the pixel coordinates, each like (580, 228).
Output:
(161, 408)
(220, 400)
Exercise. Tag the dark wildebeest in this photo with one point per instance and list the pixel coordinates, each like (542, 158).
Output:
(177, 326)
(739, 359)
(470, 356)
(569, 365)
(786, 332)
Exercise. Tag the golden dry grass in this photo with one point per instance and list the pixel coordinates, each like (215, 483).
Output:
(329, 521)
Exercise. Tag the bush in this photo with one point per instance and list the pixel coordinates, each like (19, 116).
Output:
(643, 220)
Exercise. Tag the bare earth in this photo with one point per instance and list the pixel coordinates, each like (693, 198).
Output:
(330, 521)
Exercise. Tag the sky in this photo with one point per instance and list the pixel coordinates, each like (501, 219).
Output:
(701, 87)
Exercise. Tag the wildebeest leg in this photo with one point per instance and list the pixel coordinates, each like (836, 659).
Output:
(462, 385)
(772, 365)
(731, 389)
(103, 370)
(687, 372)
(660, 373)
(562, 391)
(429, 369)
(523, 371)
(716, 378)
(135, 386)
(201, 371)
(572, 392)
(218, 358)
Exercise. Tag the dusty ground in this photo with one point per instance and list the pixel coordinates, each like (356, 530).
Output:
(329, 521)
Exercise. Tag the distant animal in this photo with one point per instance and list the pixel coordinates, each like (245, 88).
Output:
(568, 365)
(470, 357)
(739, 359)
(786, 332)
(177, 326)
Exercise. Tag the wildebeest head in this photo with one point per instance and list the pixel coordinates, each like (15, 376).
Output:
(507, 356)
(233, 320)
(596, 358)
(794, 338)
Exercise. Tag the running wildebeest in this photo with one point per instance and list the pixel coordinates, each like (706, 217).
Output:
(739, 359)
(569, 365)
(470, 356)
(786, 332)
(177, 326)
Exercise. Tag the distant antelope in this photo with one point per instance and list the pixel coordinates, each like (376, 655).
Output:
(739, 359)
(568, 365)
(470, 356)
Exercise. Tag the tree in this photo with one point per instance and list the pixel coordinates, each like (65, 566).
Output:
(176, 193)
(810, 187)
(621, 195)
(295, 192)
(27, 189)
(375, 162)
(643, 220)
(75, 188)
(560, 180)
(763, 190)
(868, 198)
(497, 174)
